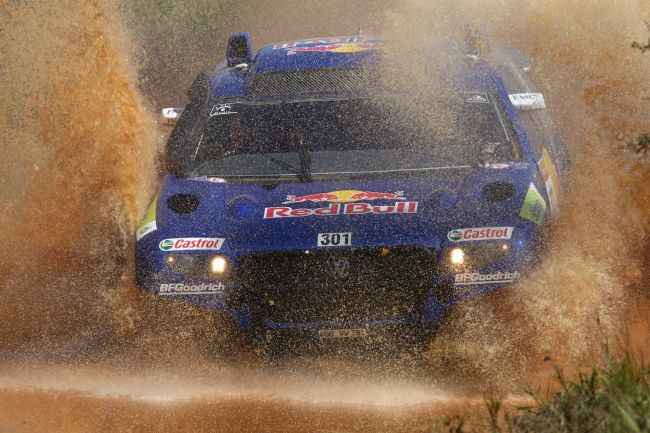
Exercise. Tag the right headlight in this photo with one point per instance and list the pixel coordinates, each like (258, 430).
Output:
(206, 266)
(472, 256)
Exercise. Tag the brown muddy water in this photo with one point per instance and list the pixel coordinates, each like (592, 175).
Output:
(82, 351)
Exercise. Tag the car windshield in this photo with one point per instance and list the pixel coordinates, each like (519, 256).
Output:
(342, 137)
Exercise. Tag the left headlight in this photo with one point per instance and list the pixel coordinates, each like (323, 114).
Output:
(206, 266)
(472, 256)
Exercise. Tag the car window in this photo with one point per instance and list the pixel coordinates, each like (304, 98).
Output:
(387, 133)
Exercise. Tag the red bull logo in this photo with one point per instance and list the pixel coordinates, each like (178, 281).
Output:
(401, 207)
(344, 202)
(345, 196)
(328, 45)
(333, 48)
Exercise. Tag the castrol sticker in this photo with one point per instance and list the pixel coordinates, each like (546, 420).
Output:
(191, 244)
(480, 234)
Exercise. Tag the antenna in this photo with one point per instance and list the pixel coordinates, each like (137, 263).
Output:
(359, 30)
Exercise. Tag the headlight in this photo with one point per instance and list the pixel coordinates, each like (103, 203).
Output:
(218, 265)
(473, 255)
(457, 256)
(199, 265)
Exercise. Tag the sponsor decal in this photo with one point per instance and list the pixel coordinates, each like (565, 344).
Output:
(344, 202)
(320, 41)
(473, 278)
(477, 98)
(148, 224)
(332, 45)
(169, 116)
(191, 244)
(345, 196)
(551, 180)
(333, 48)
(145, 230)
(221, 110)
(534, 207)
(402, 207)
(191, 289)
(528, 101)
(480, 234)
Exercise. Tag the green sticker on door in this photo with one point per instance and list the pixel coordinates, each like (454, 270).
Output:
(534, 207)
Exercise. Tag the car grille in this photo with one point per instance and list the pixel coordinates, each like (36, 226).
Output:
(313, 81)
(337, 284)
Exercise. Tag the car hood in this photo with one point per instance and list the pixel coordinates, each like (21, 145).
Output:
(417, 211)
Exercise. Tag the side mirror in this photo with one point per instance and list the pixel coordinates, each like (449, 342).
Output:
(239, 49)
(170, 116)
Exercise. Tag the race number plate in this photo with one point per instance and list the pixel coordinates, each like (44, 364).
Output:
(343, 333)
(334, 239)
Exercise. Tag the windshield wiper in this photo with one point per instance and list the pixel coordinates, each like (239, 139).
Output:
(284, 165)
(305, 162)
(294, 135)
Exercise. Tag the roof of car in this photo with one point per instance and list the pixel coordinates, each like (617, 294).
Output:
(324, 66)
(336, 52)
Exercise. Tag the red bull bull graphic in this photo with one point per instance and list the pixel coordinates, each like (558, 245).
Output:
(333, 48)
(329, 45)
(345, 196)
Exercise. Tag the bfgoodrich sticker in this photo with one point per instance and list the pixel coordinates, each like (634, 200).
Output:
(472, 278)
(191, 244)
(480, 234)
(191, 289)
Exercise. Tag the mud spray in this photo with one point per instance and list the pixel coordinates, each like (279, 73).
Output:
(79, 144)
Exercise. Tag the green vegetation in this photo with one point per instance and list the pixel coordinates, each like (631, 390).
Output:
(641, 144)
(612, 398)
(639, 46)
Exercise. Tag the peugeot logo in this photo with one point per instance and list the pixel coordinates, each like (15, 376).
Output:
(340, 268)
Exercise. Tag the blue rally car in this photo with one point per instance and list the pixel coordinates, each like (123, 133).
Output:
(299, 204)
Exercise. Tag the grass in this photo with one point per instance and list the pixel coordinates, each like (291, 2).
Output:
(613, 397)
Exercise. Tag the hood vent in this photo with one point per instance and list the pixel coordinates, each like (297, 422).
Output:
(183, 204)
(313, 81)
(498, 191)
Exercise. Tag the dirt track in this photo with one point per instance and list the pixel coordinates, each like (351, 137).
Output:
(91, 399)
